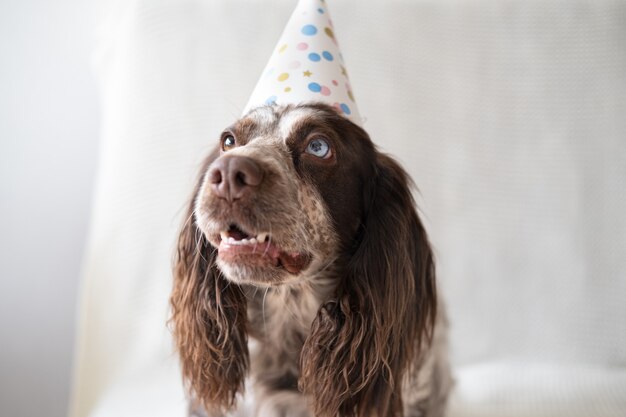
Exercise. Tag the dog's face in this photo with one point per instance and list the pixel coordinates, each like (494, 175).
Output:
(284, 197)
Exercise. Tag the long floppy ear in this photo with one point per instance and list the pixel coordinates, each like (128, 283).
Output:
(363, 343)
(208, 319)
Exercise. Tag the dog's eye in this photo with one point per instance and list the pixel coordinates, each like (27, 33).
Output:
(228, 142)
(319, 147)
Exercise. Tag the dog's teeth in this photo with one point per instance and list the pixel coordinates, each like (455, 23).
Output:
(262, 237)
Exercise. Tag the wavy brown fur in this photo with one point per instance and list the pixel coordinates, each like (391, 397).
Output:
(209, 320)
(362, 343)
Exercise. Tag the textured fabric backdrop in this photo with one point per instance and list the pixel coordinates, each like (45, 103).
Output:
(511, 117)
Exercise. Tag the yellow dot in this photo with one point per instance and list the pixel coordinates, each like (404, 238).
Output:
(330, 33)
(282, 48)
(287, 89)
(283, 76)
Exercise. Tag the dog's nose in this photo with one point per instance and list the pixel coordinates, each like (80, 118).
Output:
(232, 176)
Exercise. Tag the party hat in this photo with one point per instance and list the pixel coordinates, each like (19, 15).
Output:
(306, 65)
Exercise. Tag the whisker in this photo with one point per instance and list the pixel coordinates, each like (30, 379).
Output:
(263, 309)
(199, 238)
(293, 315)
(256, 224)
(189, 218)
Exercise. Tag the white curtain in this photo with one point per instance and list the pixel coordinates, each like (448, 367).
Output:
(511, 117)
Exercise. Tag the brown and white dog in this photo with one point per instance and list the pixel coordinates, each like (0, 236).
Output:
(304, 274)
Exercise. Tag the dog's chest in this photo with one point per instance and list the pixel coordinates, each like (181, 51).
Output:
(280, 321)
(283, 315)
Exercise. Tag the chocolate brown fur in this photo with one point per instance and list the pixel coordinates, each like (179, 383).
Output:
(356, 332)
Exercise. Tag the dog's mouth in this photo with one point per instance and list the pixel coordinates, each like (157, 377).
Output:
(240, 247)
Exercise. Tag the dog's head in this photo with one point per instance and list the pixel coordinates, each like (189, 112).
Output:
(290, 192)
(284, 198)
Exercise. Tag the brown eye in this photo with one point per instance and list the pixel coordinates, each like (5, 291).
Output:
(228, 142)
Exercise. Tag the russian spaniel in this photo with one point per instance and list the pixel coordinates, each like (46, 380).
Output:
(304, 282)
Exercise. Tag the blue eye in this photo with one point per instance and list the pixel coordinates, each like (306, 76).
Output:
(319, 147)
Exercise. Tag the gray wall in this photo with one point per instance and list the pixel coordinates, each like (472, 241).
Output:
(48, 143)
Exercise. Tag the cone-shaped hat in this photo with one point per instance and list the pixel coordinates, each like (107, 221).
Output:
(306, 65)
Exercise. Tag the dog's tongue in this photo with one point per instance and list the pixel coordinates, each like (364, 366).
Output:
(294, 262)
(237, 233)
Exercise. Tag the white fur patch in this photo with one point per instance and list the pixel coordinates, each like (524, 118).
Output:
(262, 115)
(290, 119)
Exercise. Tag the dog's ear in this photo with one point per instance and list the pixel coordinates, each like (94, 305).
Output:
(208, 318)
(363, 342)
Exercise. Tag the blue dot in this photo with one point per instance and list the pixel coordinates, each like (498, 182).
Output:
(328, 55)
(315, 87)
(271, 100)
(320, 10)
(314, 57)
(345, 108)
(309, 30)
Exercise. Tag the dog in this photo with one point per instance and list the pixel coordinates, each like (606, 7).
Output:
(304, 281)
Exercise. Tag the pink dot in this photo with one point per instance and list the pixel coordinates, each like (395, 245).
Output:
(302, 46)
(338, 107)
(294, 64)
(325, 91)
(335, 82)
